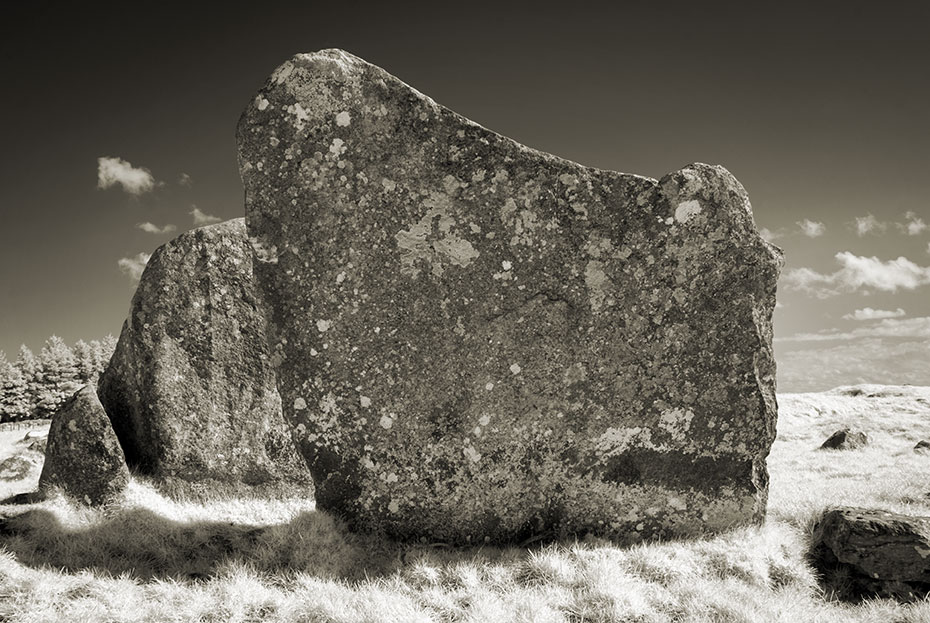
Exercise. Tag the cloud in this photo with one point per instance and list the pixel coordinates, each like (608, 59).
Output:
(867, 313)
(185, 180)
(113, 171)
(812, 229)
(133, 266)
(201, 218)
(868, 224)
(155, 229)
(769, 235)
(914, 225)
(888, 327)
(806, 367)
(860, 273)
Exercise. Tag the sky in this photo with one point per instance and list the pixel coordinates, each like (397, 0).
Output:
(119, 134)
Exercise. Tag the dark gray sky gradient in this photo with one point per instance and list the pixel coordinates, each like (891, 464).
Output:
(820, 112)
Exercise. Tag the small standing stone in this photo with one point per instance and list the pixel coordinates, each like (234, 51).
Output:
(83, 456)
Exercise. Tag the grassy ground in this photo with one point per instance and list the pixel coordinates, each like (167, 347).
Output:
(152, 559)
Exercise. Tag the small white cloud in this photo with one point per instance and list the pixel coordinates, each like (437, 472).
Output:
(867, 313)
(868, 224)
(812, 229)
(201, 218)
(113, 171)
(769, 235)
(155, 229)
(859, 273)
(133, 266)
(185, 180)
(888, 327)
(914, 225)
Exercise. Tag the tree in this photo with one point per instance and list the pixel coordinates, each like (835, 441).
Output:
(15, 400)
(58, 376)
(28, 366)
(84, 362)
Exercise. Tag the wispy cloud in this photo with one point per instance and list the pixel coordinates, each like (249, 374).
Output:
(868, 224)
(913, 225)
(113, 171)
(867, 313)
(155, 229)
(812, 229)
(201, 218)
(769, 235)
(133, 266)
(185, 180)
(816, 366)
(889, 327)
(860, 273)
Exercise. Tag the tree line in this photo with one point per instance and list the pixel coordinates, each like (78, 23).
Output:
(34, 386)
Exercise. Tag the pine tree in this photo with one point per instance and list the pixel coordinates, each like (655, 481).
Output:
(59, 376)
(84, 361)
(28, 367)
(17, 401)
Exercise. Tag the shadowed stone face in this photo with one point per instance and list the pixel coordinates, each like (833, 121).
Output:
(478, 341)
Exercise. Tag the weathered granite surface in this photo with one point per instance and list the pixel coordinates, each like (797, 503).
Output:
(82, 454)
(477, 341)
(190, 388)
(865, 553)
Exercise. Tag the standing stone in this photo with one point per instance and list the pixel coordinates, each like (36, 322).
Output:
(82, 455)
(190, 388)
(477, 341)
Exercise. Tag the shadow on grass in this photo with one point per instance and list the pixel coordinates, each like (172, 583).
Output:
(148, 546)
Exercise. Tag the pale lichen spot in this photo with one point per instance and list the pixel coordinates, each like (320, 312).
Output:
(337, 148)
(392, 477)
(341, 277)
(365, 401)
(596, 280)
(72, 426)
(484, 420)
(507, 265)
(472, 454)
(343, 119)
(260, 102)
(687, 209)
(515, 368)
(323, 325)
(393, 506)
(489, 386)
(389, 185)
(386, 422)
(300, 404)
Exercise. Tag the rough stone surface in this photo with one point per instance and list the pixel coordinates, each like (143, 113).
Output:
(477, 341)
(82, 455)
(863, 553)
(190, 388)
(845, 439)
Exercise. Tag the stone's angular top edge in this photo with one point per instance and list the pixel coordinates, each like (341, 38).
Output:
(340, 65)
(344, 67)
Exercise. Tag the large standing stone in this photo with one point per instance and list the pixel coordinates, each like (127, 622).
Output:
(82, 454)
(479, 341)
(190, 388)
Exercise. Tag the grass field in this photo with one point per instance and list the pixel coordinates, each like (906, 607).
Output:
(148, 558)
